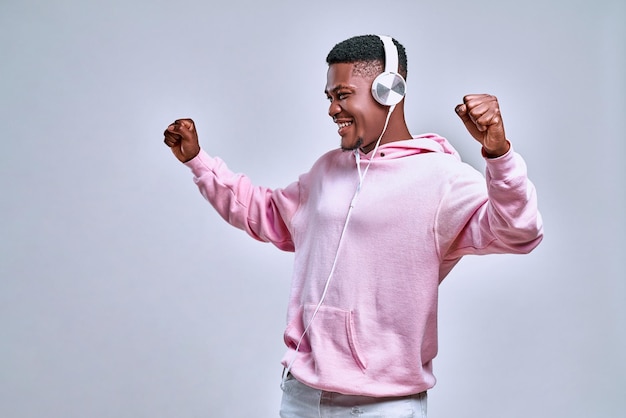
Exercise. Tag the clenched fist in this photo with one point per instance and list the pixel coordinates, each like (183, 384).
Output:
(481, 115)
(182, 138)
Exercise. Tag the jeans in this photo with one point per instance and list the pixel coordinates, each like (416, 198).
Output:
(301, 401)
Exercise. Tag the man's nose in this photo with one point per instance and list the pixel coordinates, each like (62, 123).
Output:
(333, 108)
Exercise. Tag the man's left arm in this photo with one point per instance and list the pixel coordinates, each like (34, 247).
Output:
(508, 220)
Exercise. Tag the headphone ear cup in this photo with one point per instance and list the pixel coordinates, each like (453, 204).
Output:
(388, 88)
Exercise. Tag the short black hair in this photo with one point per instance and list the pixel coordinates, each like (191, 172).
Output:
(367, 50)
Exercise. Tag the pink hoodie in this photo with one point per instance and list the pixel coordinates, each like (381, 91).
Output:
(420, 209)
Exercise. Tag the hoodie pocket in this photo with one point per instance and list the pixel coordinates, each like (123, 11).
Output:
(331, 339)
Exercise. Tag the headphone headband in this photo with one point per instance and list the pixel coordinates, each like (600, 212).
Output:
(391, 54)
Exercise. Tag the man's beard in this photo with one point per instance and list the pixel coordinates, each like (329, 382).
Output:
(358, 145)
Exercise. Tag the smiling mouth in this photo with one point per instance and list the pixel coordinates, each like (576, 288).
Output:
(342, 127)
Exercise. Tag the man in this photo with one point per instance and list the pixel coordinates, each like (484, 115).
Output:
(375, 227)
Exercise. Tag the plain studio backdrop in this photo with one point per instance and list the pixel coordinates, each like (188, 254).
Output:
(122, 294)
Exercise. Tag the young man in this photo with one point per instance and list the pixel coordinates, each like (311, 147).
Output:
(375, 227)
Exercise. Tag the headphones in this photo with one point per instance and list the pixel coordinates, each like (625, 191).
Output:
(389, 87)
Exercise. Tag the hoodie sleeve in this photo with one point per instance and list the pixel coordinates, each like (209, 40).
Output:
(263, 213)
(496, 216)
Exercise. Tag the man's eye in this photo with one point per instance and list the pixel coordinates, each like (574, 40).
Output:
(340, 96)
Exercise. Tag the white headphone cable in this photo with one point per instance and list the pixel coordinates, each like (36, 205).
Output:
(343, 231)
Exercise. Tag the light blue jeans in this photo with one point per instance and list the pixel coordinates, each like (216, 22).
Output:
(301, 401)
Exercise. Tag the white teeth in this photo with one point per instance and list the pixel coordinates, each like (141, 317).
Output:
(344, 124)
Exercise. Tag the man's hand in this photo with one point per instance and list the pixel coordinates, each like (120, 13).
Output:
(182, 137)
(481, 115)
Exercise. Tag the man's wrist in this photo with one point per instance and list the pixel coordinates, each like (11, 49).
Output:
(498, 152)
(194, 155)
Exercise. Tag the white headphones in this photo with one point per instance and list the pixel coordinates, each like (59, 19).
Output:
(389, 87)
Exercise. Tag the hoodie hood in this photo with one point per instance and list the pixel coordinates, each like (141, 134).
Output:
(428, 142)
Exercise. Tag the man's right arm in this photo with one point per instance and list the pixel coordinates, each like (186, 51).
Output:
(263, 213)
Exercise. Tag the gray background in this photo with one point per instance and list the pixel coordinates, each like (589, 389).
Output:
(123, 295)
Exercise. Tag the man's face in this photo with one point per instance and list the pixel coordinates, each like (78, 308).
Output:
(359, 117)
